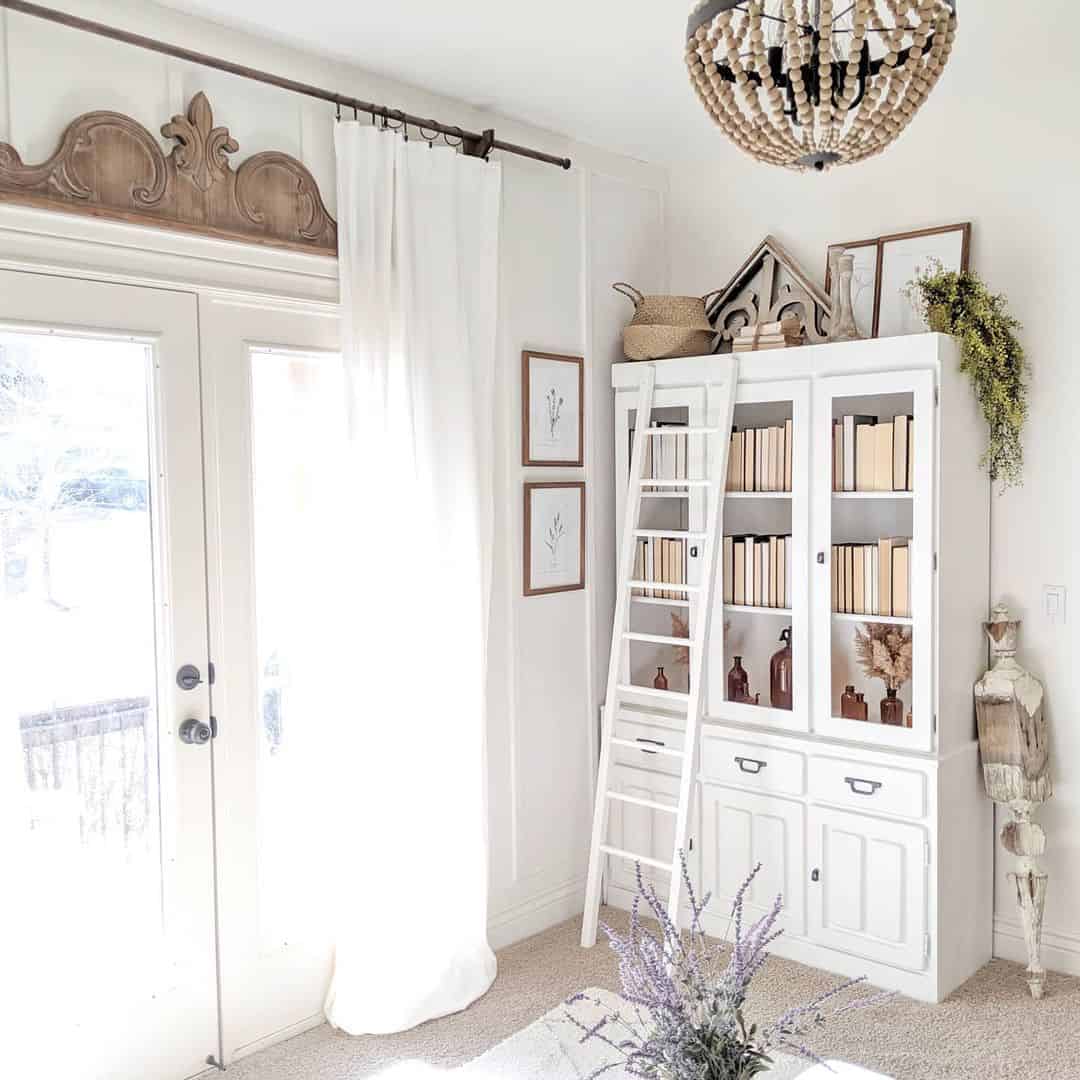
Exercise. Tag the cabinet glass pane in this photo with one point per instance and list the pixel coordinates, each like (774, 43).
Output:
(757, 556)
(872, 539)
(663, 560)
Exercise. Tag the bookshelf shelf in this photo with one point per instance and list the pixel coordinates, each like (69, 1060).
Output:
(748, 609)
(872, 495)
(891, 620)
(780, 495)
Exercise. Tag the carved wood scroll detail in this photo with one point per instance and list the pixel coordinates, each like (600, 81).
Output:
(109, 165)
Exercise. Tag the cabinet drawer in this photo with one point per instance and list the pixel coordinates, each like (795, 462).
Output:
(650, 736)
(759, 768)
(859, 786)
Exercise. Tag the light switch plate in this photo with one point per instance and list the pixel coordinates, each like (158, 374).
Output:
(1054, 604)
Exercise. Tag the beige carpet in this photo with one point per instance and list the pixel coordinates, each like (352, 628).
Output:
(990, 1029)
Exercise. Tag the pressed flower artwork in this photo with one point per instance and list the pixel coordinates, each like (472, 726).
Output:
(552, 395)
(554, 537)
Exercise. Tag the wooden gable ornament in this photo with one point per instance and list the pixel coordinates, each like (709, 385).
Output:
(769, 285)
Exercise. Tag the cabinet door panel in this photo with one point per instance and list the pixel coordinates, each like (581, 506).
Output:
(740, 829)
(870, 896)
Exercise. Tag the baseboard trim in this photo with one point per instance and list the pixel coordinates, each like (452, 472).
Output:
(1060, 952)
(538, 913)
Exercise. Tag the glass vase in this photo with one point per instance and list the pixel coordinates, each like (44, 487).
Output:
(892, 709)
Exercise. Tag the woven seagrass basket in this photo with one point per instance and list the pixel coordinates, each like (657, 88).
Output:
(666, 326)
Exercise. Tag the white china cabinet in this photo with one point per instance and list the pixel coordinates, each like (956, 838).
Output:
(877, 834)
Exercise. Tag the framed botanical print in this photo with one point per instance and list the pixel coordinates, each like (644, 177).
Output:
(552, 409)
(554, 537)
(885, 265)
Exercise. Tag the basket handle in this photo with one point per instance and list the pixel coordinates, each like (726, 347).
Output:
(631, 294)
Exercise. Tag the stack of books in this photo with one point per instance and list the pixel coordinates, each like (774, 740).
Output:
(759, 459)
(872, 579)
(785, 334)
(757, 571)
(872, 454)
(661, 560)
(665, 456)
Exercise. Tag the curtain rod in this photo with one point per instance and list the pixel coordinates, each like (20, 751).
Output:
(473, 143)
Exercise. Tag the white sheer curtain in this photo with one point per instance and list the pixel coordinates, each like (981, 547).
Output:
(418, 242)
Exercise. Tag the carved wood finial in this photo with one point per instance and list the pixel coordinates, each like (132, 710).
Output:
(201, 148)
(109, 165)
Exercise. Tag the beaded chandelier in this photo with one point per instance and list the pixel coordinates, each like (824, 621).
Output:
(809, 85)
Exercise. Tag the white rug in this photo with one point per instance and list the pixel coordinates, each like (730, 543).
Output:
(550, 1049)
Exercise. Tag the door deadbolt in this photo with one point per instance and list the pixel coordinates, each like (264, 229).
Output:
(188, 677)
(195, 732)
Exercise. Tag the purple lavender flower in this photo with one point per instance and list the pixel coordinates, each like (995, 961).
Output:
(684, 1000)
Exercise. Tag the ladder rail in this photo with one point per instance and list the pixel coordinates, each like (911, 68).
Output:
(716, 457)
(625, 571)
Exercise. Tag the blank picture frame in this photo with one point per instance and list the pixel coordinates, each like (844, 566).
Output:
(552, 410)
(884, 266)
(554, 537)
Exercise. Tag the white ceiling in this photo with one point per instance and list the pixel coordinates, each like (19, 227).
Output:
(604, 72)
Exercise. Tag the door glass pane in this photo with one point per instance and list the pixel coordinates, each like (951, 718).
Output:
(78, 697)
(870, 558)
(299, 476)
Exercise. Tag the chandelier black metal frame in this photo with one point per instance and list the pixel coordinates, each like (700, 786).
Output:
(809, 84)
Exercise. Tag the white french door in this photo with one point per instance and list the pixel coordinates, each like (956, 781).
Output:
(105, 809)
(277, 479)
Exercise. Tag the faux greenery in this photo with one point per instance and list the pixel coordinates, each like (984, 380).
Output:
(990, 355)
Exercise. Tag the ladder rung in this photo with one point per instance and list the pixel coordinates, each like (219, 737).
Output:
(668, 585)
(670, 534)
(647, 748)
(661, 639)
(607, 849)
(676, 430)
(649, 804)
(651, 691)
(652, 482)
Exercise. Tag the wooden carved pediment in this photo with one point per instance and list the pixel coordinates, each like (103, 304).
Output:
(109, 165)
(769, 285)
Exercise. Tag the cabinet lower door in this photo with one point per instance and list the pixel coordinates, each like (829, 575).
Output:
(739, 830)
(869, 896)
(640, 829)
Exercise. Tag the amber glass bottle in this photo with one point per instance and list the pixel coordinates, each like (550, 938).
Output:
(892, 709)
(848, 704)
(780, 673)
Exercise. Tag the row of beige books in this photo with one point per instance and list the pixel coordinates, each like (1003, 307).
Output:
(661, 560)
(757, 571)
(873, 454)
(759, 459)
(665, 456)
(872, 579)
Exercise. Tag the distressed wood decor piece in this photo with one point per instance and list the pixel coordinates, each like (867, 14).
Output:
(108, 165)
(1015, 749)
(768, 286)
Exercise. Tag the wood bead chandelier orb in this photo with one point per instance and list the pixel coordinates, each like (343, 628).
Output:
(810, 85)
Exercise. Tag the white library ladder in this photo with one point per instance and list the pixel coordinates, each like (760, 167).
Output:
(720, 404)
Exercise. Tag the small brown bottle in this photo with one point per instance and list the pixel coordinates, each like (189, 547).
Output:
(660, 682)
(862, 710)
(738, 682)
(892, 709)
(848, 705)
(780, 673)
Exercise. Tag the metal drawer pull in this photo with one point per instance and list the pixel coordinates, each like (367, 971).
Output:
(869, 787)
(654, 742)
(750, 765)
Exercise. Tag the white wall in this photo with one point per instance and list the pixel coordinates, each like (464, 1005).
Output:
(565, 238)
(999, 148)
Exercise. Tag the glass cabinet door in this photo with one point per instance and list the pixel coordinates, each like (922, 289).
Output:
(759, 650)
(873, 578)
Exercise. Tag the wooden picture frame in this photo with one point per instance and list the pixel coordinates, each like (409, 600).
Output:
(552, 421)
(881, 250)
(559, 571)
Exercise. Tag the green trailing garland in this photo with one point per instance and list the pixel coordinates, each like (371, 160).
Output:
(990, 355)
